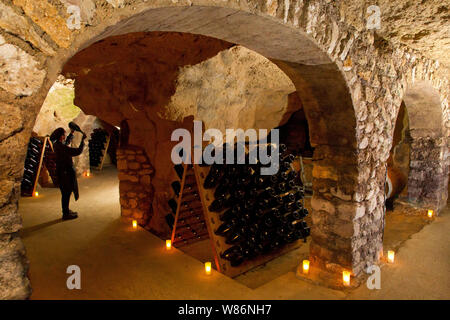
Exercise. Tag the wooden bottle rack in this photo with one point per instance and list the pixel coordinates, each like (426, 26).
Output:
(105, 151)
(30, 193)
(212, 222)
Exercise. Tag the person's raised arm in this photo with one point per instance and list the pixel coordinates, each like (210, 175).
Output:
(73, 152)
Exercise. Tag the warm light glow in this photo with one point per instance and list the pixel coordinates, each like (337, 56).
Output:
(36, 194)
(305, 266)
(87, 174)
(430, 213)
(391, 256)
(208, 267)
(168, 244)
(346, 278)
(134, 224)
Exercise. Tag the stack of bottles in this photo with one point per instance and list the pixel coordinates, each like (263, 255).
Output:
(258, 213)
(191, 225)
(97, 147)
(31, 168)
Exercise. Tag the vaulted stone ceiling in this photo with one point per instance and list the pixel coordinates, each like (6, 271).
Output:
(423, 25)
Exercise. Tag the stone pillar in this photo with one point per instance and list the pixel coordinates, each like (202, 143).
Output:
(347, 219)
(136, 191)
(428, 176)
(14, 283)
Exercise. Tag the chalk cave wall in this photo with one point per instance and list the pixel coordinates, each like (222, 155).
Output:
(200, 78)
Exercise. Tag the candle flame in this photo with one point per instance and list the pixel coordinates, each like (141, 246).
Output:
(168, 244)
(346, 278)
(208, 267)
(391, 256)
(305, 266)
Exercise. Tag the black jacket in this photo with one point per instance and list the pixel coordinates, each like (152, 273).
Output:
(67, 178)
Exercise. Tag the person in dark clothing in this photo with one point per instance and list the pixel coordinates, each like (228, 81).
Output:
(67, 178)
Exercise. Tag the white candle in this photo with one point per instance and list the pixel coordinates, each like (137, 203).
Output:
(208, 267)
(305, 266)
(391, 256)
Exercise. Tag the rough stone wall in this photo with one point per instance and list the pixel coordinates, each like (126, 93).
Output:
(135, 176)
(428, 176)
(35, 41)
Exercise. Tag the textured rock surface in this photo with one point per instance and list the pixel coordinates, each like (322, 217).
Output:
(422, 25)
(235, 89)
(19, 73)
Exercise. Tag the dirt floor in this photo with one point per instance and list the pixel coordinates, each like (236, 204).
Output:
(118, 262)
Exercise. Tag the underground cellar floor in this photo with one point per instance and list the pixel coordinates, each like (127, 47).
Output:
(118, 262)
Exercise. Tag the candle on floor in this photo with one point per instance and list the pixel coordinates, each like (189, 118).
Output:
(168, 244)
(36, 194)
(134, 224)
(391, 256)
(208, 267)
(305, 266)
(430, 213)
(346, 278)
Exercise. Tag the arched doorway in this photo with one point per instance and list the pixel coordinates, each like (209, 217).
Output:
(420, 149)
(326, 98)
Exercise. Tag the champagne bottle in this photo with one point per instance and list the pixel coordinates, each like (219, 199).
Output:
(237, 260)
(235, 236)
(170, 219)
(213, 177)
(226, 227)
(179, 170)
(176, 186)
(227, 215)
(230, 252)
(173, 205)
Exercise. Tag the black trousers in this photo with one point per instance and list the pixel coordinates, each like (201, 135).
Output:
(65, 199)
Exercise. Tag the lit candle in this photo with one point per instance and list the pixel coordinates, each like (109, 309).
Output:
(305, 266)
(168, 244)
(208, 267)
(346, 278)
(391, 256)
(36, 194)
(134, 224)
(430, 213)
(88, 174)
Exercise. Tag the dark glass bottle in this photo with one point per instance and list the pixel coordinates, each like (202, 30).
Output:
(179, 170)
(176, 186)
(173, 205)
(226, 227)
(230, 252)
(227, 215)
(213, 177)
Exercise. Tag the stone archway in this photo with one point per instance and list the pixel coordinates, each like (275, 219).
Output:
(428, 175)
(330, 63)
(328, 106)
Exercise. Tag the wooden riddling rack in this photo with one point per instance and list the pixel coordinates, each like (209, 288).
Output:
(189, 225)
(33, 165)
(103, 151)
(48, 169)
(212, 222)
